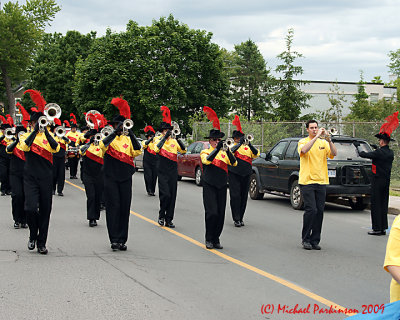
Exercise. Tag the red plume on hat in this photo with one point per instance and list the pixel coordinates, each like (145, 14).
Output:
(236, 122)
(212, 116)
(100, 120)
(57, 121)
(93, 119)
(166, 114)
(66, 123)
(10, 120)
(37, 98)
(3, 120)
(149, 128)
(123, 107)
(73, 118)
(392, 122)
(25, 114)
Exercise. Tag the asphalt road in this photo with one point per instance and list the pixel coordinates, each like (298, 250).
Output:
(168, 274)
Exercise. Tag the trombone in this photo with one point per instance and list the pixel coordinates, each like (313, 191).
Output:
(60, 132)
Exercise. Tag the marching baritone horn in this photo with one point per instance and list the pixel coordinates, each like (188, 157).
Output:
(52, 111)
(98, 137)
(60, 131)
(89, 122)
(176, 131)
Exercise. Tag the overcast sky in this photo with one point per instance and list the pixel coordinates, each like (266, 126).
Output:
(337, 38)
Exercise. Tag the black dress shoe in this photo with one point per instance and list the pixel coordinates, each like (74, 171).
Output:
(31, 244)
(316, 247)
(92, 223)
(237, 224)
(169, 224)
(161, 222)
(24, 226)
(60, 194)
(209, 245)
(3, 194)
(122, 247)
(115, 246)
(42, 250)
(16, 225)
(307, 246)
(377, 233)
(217, 246)
(242, 223)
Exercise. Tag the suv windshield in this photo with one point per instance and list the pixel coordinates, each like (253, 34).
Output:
(347, 150)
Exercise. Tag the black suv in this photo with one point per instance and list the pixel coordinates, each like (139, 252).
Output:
(349, 175)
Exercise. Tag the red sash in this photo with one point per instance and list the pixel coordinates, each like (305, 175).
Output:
(94, 157)
(169, 155)
(123, 157)
(220, 164)
(19, 153)
(243, 157)
(42, 152)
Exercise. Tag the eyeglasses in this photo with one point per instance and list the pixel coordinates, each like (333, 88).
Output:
(218, 140)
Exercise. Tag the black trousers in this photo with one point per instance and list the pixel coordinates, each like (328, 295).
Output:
(118, 196)
(238, 191)
(38, 202)
(214, 201)
(58, 174)
(5, 175)
(379, 203)
(167, 188)
(18, 198)
(73, 166)
(94, 190)
(150, 177)
(314, 202)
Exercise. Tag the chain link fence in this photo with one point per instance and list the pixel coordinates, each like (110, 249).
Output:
(267, 134)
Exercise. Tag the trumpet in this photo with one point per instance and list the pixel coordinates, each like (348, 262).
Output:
(126, 125)
(89, 122)
(176, 131)
(60, 131)
(228, 143)
(9, 133)
(52, 111)
(327, 133)
(43, 123)
(107, 130)
(248, 139)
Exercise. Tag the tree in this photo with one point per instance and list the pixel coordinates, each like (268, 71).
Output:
(53, 68)
(21, 29)
(394, 66)
(251, 83)
(166, 63)
(289, 97)
(335, 112)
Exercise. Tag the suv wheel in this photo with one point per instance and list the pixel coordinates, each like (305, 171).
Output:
(198, 176)
(254, 189)
(358, 204)
(296, 198)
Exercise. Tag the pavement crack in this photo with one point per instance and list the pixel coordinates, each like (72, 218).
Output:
(133, 279)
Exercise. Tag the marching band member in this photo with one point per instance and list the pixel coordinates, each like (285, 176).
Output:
(17, 164)
(382, 160)
(215, 177)
(59, 161)
(5, 188)
(149, 161)
(39, 147)
(73, 156)
(167, 149)
(92, 172)
(118, 170)
(239, 176)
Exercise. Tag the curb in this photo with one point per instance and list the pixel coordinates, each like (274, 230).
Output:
(394, 211)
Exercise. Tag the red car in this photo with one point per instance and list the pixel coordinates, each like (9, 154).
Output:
(189, 164)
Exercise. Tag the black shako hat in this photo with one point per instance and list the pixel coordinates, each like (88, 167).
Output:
(35, 116)
(117, 119)
(165, 126)
(5, 126)
(215, 134)
(237, 134)
(20, 128)
(384, 136)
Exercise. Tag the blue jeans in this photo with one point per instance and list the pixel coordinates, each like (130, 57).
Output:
(314, 202)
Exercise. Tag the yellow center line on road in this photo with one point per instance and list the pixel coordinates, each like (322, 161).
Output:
(242, 264)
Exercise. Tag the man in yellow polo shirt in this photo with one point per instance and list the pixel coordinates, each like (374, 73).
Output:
(313, 178)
